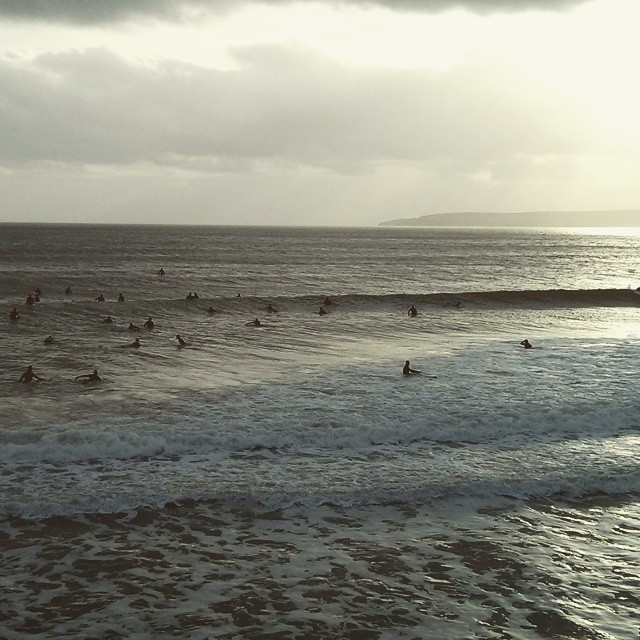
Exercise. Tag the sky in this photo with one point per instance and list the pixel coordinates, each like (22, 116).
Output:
(345, 112)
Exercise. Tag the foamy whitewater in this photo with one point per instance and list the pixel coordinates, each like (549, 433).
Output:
(287, 481)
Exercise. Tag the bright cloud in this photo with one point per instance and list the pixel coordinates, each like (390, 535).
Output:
(345, 112)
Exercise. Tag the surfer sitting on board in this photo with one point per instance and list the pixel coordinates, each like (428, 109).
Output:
(29, 375)
(407, 370)
(413, 312)
(254, 323)
(14, 315)
(526, 344)
(181, 341)
(89, 377)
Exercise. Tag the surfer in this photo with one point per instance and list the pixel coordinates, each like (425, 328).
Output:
(89, 377)
(181, 342)
(412, 312)
(29, 375)
(322, 312)
(271, 309)
(327, 302)
(407, 370)
(67, 291)
(49, 340)
(108, 320)
(29, 299)
(161, 272)
(133, 327)
(254, 323)
(211, 311)
(100, 298)
(526, 344)
(37, 291)
(149, 324)
(134, 345)
(190, 296)
(14, 316)
(120, 298)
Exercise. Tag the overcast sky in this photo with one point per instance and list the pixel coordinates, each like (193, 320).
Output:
(346, 112)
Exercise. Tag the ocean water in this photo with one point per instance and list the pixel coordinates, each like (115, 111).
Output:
(286, 481)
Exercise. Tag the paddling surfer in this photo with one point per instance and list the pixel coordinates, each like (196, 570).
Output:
(89, 377)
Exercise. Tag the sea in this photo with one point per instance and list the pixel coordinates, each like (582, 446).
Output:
(287, 481)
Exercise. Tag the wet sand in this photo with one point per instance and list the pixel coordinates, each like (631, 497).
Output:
(525, 570)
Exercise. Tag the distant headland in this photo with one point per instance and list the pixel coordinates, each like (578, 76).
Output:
(625, 218)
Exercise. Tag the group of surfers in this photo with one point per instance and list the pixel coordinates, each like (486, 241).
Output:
(29, 375)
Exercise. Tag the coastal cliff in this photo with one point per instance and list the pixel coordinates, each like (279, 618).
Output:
(626, 218)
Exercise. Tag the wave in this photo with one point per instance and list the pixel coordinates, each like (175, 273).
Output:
(533, 299)
(441, 302)
(524, 298)
(240, 483)
(319, 429)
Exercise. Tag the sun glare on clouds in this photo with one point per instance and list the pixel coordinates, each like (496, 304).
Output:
(452, 109)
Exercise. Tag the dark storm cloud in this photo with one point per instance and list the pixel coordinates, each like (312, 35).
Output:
(112, 11)
(290, 105)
